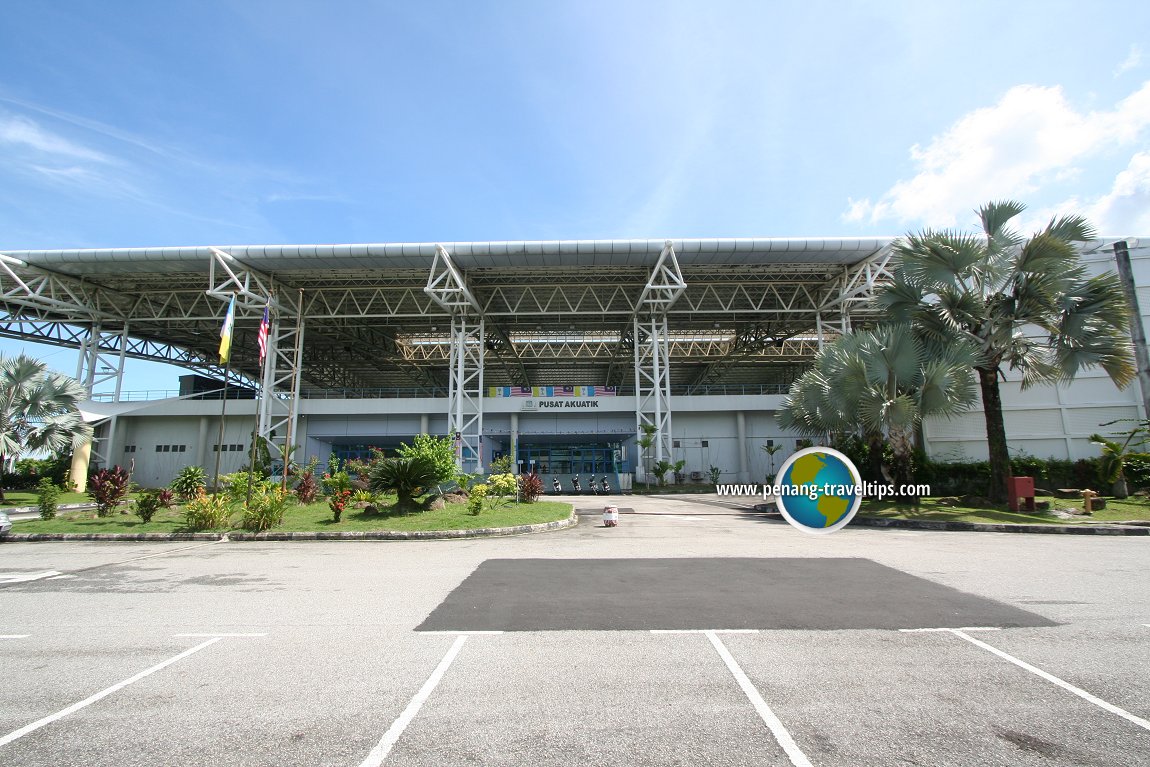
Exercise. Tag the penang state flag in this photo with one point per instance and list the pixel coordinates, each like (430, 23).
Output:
(226, 332)
(262, 338)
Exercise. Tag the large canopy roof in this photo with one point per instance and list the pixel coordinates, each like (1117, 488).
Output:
(556, 312)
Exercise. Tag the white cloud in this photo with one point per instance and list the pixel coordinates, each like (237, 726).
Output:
(1125, 209)
(1032, 136)
(1132, 61)
(20, 132)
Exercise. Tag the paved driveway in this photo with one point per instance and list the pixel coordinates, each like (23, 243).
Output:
(696, 632)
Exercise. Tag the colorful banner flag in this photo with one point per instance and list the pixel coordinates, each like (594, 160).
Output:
(262, 338)
(226, 332)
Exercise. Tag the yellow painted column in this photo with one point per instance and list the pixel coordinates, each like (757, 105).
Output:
(79, 472)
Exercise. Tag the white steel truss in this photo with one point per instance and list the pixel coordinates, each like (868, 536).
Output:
(281, 381)
(447, 287)
(857, 283)
(101, 359)
(465, 392)
(664, 286)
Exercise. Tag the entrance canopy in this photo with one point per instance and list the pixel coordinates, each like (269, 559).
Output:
(377, 318)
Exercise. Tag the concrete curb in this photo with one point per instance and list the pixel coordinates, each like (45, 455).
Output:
(382, 535)
(988, 527)
(38, 537)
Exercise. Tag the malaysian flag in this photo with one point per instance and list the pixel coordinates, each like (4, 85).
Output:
(521, 391)
(262, 338)
(565, 391)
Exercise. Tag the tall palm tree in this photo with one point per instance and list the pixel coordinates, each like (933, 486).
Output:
(881, 382)
(39, 410)
(1026, 305)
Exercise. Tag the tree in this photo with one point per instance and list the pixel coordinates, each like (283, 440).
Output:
(770, 450)
(644, 444)
(39, 410)
(438, 451)
(1026, 305)
(881, 381)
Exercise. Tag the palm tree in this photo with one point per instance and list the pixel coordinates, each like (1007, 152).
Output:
(406, 477)
(1026, 305)
(39, 410)
(881, 381)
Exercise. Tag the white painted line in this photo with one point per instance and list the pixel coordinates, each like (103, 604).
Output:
(100, 695)
(383, 748)
(463, 633)
(704, 631)
(1055, 680)
(964, 628)
(219, 635)
(14, 636)
(784, 739)
(26, 577)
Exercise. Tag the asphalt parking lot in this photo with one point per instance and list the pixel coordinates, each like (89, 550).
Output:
(694, 633)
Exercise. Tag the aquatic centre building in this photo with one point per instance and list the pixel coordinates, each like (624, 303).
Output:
(556, 353)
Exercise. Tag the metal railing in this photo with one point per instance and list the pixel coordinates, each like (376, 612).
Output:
(391, 392)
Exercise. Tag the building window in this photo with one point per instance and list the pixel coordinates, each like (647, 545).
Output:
(675, 444)
(705, 443)
(129, 448)
(161, 448)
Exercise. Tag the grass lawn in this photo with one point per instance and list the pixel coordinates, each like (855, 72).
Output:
(16, 498)
(313, 517)
(929, 508)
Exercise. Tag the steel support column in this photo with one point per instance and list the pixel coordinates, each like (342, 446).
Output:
(652, 350)
(283, 364)
(448, 288)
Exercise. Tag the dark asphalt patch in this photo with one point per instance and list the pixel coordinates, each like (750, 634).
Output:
(719, 593)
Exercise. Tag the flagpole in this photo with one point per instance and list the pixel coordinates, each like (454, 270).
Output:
(265, 360)
(226, 358)
(223, 412)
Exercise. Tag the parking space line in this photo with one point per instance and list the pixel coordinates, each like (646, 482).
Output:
(782, 736)
(383, 748)
(462, 633)
(220, 635)
(704, 631)
(1144, 724)
(14, 636)
(964, 628)
(27, 577)
(102, 694)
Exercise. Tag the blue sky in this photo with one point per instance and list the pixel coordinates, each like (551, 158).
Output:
(163, 123)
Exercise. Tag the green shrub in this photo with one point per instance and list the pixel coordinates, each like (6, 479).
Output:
(530, 488)
(147, 504)
(207, 512)
(406, 477)
(501, 465)
(266, 508)
(716, 474)
(235, 485)
(475, 499)
(499, 485)
(437, 451)
(47, 498)
(189, 482)
(107, 487)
